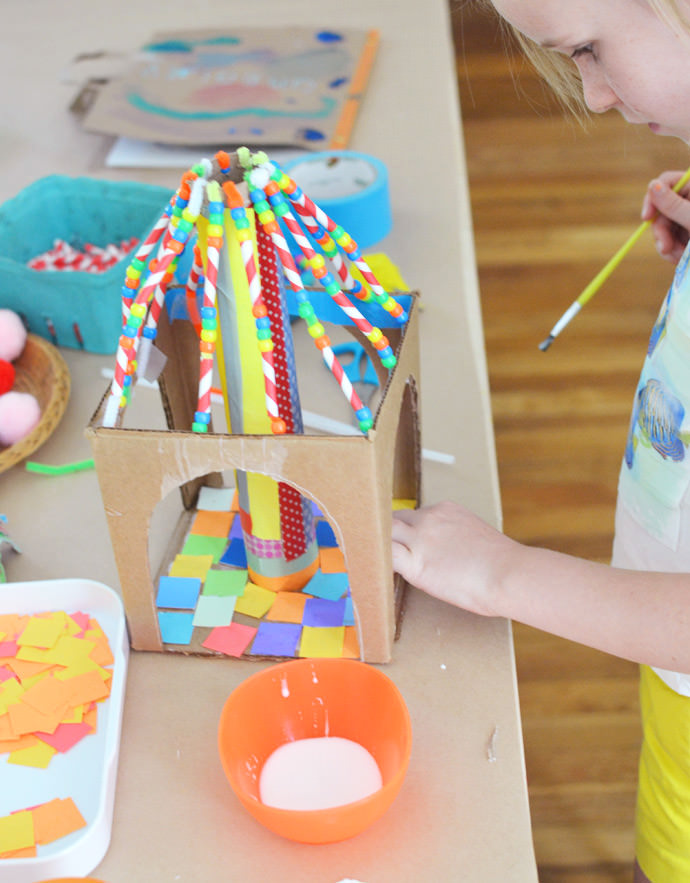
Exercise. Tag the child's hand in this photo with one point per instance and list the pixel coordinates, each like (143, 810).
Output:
(670, 213)
(448, 552)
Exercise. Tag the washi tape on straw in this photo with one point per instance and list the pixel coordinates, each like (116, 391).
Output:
(351, 187)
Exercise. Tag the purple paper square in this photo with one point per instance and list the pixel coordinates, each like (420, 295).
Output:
(276, 639)
(322, 613)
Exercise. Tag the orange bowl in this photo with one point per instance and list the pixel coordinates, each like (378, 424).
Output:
(308, 698)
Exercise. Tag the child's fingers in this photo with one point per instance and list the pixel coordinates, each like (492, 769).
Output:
(670, 213)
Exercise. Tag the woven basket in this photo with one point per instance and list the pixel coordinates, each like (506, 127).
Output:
(42, 371)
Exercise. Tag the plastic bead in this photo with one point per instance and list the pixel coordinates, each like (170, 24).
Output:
(139, 310)
(199, 427)
(202, 417)
(266, 346)
(149, 332)
(278, 426)
(323, 342)
(389, 361)
(316, 329)
(306, 311)
(259, 310)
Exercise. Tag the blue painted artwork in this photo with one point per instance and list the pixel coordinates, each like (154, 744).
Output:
(257, 86)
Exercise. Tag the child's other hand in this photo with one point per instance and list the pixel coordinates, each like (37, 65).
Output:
(670, 214)
(452, 554)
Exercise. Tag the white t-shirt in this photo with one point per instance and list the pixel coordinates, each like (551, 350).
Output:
(653, 512)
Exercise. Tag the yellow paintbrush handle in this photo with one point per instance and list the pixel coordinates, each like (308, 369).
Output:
(606, 271)
(603, 274)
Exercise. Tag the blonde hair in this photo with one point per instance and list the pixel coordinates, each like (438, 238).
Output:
(561, 74)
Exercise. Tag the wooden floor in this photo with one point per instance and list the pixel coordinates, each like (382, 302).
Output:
(551, 203)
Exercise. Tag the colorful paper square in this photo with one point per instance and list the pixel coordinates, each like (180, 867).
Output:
(225, 582)
(176, 628)
(235, 555)
(319, 643)
(214, 610)
(331, 560)
(215, 499)
(197, 544)
(287, 607)
(349, 615)
(236, 532)
(212, 524)
(404, 504)
(231, 639)
(256, 601)
(320, 613)
(191, 565)
(178, 592)
(325, 537)
(351, 644)
(331, 586)
(276, 639)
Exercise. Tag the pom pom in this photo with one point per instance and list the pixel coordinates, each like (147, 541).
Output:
(12, 335)
(7, 374)
(19, 414)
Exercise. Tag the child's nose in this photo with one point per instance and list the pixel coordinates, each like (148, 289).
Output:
(599, 96)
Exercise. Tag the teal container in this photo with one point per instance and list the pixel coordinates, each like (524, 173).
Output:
(78, 210)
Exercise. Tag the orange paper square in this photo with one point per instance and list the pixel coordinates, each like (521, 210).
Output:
(56, 819)
(332, 560)
(210, 523)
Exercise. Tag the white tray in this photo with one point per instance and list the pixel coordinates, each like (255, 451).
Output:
(87, 772)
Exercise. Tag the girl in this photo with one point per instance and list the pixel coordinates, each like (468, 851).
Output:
(632, 56)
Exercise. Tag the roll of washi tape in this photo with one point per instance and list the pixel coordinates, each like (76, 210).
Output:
(351, 187)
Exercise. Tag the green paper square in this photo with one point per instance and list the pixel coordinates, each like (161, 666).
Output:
(225, 582)
(214, 610)
(198, 544)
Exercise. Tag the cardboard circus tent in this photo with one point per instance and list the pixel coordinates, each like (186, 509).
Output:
(237, 223)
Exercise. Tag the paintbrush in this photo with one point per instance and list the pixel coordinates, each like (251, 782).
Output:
(590, 290)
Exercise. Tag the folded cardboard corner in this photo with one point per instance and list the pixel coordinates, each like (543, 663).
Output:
(353, 480)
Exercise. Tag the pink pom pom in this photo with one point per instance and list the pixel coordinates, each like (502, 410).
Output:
(12, 335)
(19, 414)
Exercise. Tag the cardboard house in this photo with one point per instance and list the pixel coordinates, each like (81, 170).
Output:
(353, 479)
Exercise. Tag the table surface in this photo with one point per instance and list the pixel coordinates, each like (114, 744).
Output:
(462, 813)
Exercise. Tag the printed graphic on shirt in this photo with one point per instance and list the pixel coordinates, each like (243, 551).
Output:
(655, 474)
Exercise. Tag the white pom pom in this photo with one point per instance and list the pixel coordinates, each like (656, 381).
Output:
(19, 414)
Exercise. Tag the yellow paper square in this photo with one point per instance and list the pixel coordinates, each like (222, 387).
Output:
(256, 601)
(404, 504)
(191, 565)
(16, 831)
(69, 650)
(41, 633)
(322, 642)
(38, 756)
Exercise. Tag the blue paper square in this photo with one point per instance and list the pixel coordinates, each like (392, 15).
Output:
(331, 586)
(236, 529)
(176, 627)
(325, 537)
(349, 615)
(235, 555)
(322, 613)
(178, 592)
(276, 639)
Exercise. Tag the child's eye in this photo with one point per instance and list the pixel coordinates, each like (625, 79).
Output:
(588, 49)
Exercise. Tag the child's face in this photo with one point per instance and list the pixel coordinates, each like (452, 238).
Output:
(627, 57)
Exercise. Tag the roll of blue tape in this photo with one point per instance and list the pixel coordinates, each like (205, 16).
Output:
(351, 187)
